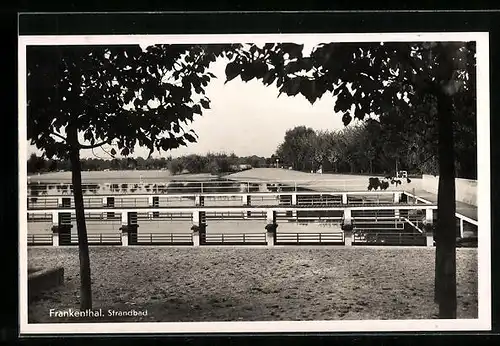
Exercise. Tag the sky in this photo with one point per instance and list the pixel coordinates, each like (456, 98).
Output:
(246, 118)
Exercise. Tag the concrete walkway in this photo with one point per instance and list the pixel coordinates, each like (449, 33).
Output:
(340, 182)
(464, 209)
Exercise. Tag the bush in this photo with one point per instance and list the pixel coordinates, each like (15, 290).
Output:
(175, 166)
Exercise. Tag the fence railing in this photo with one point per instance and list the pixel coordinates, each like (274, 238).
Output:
(309, 238)
(215, 215)
(369, 226)
(233, 238)
(93, 239)
(164, 216)
(320, 200)
(39, 239)
(370, 237)
(42, 217)
(162, 239)
(375, 198)
(302, 199)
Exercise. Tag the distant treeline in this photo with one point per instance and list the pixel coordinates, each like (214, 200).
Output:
(370, 149)
(215, 163)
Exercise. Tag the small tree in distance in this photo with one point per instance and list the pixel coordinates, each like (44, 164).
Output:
(84, 97)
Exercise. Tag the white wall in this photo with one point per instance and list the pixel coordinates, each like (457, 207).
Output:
(466, 190)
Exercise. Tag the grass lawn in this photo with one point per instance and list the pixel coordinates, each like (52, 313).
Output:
(249, 284)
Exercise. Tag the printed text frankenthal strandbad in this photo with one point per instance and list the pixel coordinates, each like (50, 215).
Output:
(94, 313)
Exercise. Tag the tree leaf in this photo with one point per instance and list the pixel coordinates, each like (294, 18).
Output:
(190, 138)
(346, 119)
(294, 50)
(292, 86)
(197, 109)
(268, 46)
(205, 104)
(233, 69)
(359, 114)
(248, 72)
(269, 77)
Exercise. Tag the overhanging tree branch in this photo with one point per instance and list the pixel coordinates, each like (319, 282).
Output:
(58, 135)
(83, 146)
(93, 153)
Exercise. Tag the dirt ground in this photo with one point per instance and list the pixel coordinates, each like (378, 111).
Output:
(250, 284)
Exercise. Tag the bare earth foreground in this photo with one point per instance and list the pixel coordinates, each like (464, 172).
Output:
(249, 284)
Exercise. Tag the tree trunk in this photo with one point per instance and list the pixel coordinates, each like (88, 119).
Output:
(83, 247)
(445, 276)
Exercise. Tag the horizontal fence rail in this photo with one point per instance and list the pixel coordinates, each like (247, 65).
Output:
(235, 215)
(233, 238)
(309, 238)
(93, 239)
(39, 239)
(162, 239)
(164, 216)
(370, 237)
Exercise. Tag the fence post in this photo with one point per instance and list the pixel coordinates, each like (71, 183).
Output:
(294, 204)
(124, 229)
(348, 237)
(196, 238)
(428, 227)
(461, 228)
(198, 228)
(55, 229)
(271, 227)
(199, 201)
(124, 237)
(397, 197)
(246, 200)
(347, 227)
(344, 198)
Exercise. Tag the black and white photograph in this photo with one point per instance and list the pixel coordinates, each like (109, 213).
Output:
(252, 183)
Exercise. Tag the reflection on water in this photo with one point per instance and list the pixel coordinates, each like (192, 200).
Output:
(172, 187)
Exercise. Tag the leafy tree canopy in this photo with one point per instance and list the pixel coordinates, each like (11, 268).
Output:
(120, 95)
(398, 82)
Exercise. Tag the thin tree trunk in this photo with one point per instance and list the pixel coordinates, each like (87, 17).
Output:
(83, 247)
(445, 276)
